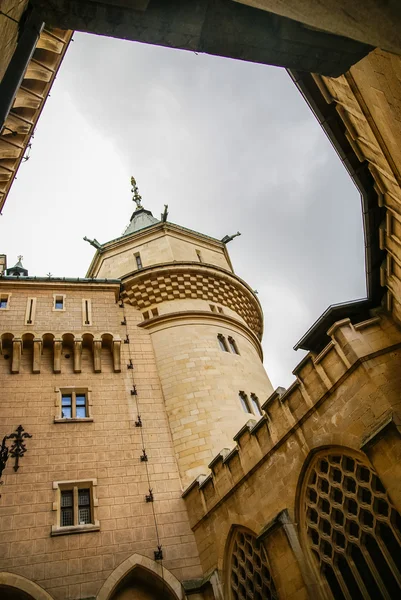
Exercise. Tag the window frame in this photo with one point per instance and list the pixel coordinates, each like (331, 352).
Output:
(75, 486)
(5, 297)
(73, 392)
(244, 400)
(55, 299)
(138, 261)
(222, 343)
(199, 255)
(255, 403)
(232, 344)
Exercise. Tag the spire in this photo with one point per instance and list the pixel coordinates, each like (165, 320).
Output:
(136, 197)
(18, 269)
(141, 217)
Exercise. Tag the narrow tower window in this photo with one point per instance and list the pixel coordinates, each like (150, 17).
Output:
(155, 312)
(220, 309)
(222, 342)
(256, 405)
(199, 255)
(244, 402)
(138, 260)
(233, 345)
(212, 307)
(30, 311)
(4, 301)
(87, 312)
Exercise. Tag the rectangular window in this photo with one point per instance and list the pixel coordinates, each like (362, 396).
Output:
(76, 505)
(84, 506)
(74, 405)
(244, 402)
(86, 312)
(146, 315)
(59, 302)
(199, 255)
(222, 342)
(256, 406)
(155, 312)
(233, 345)
(138, 260)
(4, 298)
(67, 508)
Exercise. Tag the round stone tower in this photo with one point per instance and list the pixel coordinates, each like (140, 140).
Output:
(205, 323)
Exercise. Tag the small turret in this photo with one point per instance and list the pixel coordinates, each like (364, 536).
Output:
(17, 270)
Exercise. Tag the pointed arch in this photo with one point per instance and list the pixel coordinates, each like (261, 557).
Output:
(349, 528)
(20, 583)
(246, 567)
(144, 564)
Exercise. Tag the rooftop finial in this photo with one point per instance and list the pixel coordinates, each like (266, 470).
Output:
(136, 197)
(20, 257)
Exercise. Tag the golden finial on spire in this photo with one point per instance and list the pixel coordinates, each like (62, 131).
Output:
(136, 197)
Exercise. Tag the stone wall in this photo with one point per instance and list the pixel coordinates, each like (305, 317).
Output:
(347, 397)
(105, 449)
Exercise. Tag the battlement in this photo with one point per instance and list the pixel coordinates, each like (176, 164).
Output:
(317, 377)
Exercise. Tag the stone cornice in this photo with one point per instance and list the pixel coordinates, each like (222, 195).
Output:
(203, 315)
(180, 280)
(61, 284)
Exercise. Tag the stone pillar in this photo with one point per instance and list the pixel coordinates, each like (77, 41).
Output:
(37, 356)
(77, 356)
(97, 356)
(16, 360)
(117, 356)
(57, 347)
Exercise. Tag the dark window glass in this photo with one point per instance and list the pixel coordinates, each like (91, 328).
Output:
(67, 508)
(3, 302)
(138, 261)
(59, 303)
(84, 509)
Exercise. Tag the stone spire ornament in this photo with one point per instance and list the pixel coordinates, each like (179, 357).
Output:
(136, 195)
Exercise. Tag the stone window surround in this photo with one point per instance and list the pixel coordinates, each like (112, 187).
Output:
(86, 311)
(55, 296)
(58, 486)
(73, 390)
(30, 312)
(6, 297)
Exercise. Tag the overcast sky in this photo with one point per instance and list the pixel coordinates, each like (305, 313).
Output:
(226, 144)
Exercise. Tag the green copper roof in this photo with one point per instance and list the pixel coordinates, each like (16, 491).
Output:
(140, 219)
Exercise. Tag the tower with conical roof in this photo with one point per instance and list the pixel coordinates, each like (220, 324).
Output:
(205, 324)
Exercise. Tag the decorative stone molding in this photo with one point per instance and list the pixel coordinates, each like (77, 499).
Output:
(170, 281)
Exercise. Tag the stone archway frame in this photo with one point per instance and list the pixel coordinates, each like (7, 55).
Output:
(25, 585)
(135, 561)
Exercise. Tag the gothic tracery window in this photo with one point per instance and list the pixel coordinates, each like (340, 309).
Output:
(352, 528)
(250, 577)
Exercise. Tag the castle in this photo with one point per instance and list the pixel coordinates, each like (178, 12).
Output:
(145, 454)
(131, 385)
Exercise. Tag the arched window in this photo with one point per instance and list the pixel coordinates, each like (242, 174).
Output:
(249, 571)
(351, 527)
